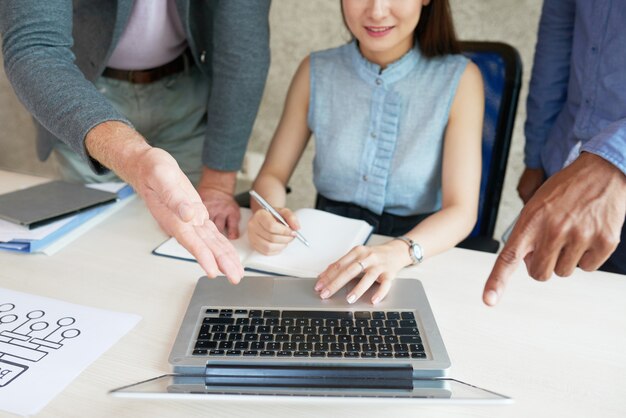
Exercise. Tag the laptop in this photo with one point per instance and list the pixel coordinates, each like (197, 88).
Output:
(275, 336)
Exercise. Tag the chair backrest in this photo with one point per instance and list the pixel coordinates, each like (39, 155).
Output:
(501, 68)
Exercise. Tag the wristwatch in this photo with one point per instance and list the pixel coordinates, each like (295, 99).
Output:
(415, 250)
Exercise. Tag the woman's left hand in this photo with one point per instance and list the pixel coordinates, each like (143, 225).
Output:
(379, 264)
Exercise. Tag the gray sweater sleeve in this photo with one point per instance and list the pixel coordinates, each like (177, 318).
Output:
(240, 58)
(36, 42)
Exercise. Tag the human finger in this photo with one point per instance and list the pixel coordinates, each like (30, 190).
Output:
(223, 251)
(383, 290)
(264, 246)
(232, 224)
(546, 254)
(513, 252)
(271, 225)
(290, 218)
(570, 257)
(343, 277)
(369, 278)
(337, 267)
(597, 255)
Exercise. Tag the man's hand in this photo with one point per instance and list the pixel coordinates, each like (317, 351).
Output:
(574, 219)
(529, 182)
(168, 194)
(216, 189)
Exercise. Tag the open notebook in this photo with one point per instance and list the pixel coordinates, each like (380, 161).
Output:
(330, 236)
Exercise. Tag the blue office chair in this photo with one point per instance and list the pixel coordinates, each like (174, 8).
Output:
(501, 68)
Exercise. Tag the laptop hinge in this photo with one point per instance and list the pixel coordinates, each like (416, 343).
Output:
(310, 376)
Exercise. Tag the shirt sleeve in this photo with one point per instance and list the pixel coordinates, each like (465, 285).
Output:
(240, 58)
(610, 144)
(39, 63)
(550, 76)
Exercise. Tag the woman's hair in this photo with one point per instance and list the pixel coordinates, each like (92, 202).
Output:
(435, 32)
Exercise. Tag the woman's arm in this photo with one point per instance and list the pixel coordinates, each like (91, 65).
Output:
(292, 134)
(461, 171)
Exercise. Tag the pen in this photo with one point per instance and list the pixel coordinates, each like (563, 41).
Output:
(276, 215)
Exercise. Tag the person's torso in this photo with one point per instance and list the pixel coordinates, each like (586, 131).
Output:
(153, 36)
(596, 95)
(379, 136)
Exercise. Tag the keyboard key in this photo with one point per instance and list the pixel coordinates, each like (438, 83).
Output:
(401, 348)
(267, 353)
(257, 346)
(368, 354)
(241, 311)
(249, 353)
(289, 346)
(233, 353)
(418, 355)
(416, 347)
(378, 315)
(241, 345)
(271, 314)
(251, 337)
(407, 315)
(216, 352)
(362, 315)
(242, 321)
(313, 338)
(298, 338)
(255, 314)
(406, 331)
(220, 336)
(301, 354)
(233, 328)
(335, 354)
(390, 339)
(410, 339)
(351, 354)
(283, 353)
(226, 345)
(385, 354)
(222, 321)
(302, 322)
(235, 336)
(281, 338)
(211, 311)
(318, 354)
(272, 346)
(200, 352)
(257, 321)
(401, 355)
(205, 344)
(408, 323)
(266, 337)
(393, 315)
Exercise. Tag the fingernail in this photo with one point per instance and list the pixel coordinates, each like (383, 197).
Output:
(351, 299)
(325, 294)
(376, 300)
(317, 287)
(491, 297)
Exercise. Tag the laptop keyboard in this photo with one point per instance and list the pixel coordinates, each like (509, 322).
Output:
(313, 334)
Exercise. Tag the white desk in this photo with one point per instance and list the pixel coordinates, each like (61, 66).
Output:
(558, 348)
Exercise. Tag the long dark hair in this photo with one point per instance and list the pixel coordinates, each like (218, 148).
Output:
(435, 32)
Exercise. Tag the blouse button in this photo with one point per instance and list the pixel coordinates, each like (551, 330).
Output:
(379, 81)
(203, 57)
(373, 135)
(365, 177)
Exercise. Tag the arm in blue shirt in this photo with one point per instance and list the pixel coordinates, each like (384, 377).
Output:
(610, 144)
(550, 75)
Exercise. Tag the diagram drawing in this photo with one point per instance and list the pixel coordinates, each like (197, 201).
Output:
(27, 340)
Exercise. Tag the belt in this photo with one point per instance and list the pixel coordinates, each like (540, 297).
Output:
(152, 74)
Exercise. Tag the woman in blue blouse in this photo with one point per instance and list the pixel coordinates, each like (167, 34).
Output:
(397, 118)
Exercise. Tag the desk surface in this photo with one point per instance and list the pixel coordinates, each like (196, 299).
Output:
(558, 348)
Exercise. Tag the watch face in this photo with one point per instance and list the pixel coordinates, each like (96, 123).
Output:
(417, 252)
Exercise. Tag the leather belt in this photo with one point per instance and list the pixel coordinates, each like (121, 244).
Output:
(152, 74)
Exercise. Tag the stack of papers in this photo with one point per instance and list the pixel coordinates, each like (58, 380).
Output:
(51, 237)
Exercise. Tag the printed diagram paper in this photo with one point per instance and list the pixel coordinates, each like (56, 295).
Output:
(45, 343)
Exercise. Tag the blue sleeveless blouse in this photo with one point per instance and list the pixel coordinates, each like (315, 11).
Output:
(379, 135)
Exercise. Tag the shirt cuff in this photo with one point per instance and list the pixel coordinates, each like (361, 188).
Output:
(610, 144)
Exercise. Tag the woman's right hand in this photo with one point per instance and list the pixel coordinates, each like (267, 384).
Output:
(267, 235)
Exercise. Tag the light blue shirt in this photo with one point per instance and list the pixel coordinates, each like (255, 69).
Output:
(379, 135)
(578, 88)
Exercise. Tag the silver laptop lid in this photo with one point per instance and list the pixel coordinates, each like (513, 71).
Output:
(212, 296)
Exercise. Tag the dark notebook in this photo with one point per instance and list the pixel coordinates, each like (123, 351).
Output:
(44, 203)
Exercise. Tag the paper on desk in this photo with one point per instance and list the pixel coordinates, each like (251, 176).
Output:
(45, 343)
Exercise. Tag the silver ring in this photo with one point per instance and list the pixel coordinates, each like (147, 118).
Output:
(362, 266)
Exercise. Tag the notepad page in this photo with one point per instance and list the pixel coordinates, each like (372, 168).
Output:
(331, 237)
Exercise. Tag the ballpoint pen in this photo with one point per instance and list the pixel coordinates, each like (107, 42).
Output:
(276, 215)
